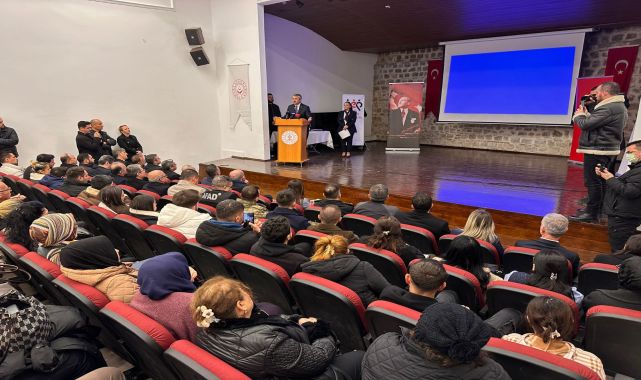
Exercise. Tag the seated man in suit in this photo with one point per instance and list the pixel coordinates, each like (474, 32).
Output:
(329, 217)
(376, 207)
(104, 165)
(158, 182)
(76, 181)
(425, 280)
(298, 110)
(420, 216)
(286, 201)
(136, 176)
(332, 193)
(553, 226)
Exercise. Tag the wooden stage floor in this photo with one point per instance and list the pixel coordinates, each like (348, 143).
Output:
(517, 188)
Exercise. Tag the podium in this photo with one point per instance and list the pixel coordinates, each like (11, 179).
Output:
(292, 140)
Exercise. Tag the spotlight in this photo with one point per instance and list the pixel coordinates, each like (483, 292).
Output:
(299, 3)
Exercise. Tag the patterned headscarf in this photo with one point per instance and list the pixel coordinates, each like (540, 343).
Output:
(60, 227)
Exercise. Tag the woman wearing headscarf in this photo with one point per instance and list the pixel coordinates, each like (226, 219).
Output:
(166, 289)
(52, 232)
(16, 224)
(95, 262)
(446, 344)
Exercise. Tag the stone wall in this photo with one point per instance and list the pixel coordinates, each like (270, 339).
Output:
(411, 66)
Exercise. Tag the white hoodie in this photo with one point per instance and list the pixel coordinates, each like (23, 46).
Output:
(181, 219)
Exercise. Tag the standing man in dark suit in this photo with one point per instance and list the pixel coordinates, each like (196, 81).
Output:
(274, 111)
(8, 139)
(106, 142)
(128, 142)
(420, 216)
(403, 120)
(88, 141)
(298, 110)
(347, 122)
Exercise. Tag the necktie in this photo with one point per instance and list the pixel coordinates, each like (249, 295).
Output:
(297, 108)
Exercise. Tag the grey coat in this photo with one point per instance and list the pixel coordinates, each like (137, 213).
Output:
(602, 130)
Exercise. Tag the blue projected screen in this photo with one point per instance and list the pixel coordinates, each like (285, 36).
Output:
(532, 82)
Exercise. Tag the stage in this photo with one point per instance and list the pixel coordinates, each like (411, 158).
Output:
(517, 188)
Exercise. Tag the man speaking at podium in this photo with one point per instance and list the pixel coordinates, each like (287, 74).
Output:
(298, 110)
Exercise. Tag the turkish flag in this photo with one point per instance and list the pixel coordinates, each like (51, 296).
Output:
(434, 82)
(621, 64)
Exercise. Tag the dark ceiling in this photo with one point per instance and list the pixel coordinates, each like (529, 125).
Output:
(369, 26)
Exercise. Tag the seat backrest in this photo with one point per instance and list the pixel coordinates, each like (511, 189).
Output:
(614, 335)
(466, 286)
(133, 229)
(43, 272)
(164, 239)
(156, 196)
(387, 262)
(268, 281)
(129, 190)
(594, 276)
(444, 243)
(490, 254)
(524, 362)
(101, 218)
(24, 186)
(78, 208)
(503, 294)
(308, 236)
(12, 182)
(211, 210)
(164, 200)
(334, 303)
(518, 259)
(361, 225)
(311, 213)
(13, 251)
(420, 238)
(57, 200)
(40, 193)
(145, 338)
(89, 299)
(383, 317)
(209, 261)
(191, 362)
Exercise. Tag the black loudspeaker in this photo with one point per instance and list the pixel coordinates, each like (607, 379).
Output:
(194, 36)
(199, 56)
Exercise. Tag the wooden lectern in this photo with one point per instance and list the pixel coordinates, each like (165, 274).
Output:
(292, 140)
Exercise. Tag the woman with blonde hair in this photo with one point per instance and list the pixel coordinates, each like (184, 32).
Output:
(40, 170)
(480, 226)
(262, 346)
(331, 261)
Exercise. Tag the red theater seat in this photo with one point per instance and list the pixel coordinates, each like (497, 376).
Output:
(24, 186)
(311, 213)
(57, 200)
(133, 229)
(594, 276)
(267, 280)
(130, 191)
(208, 261)
(164, 200)
(308, 236)
(523, 362)
(466, 286)
(338, 305)
(614, 335)
(78, 208)
(101, 218)
(207, 209)
(387, 262)
(420, 238)
(150, 193)
(384, 316)
(361, 225)
(43, 272)
(12, 182)
(40, 193)
(164, 239)
(13, 251)
(518, 259)
(191, 362)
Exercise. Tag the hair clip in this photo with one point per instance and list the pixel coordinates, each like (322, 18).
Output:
(553, 276)
(385, 233)
(555, 334)
(208, 317)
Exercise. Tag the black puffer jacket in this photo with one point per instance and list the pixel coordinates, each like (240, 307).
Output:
(394, 356)
(236, 238)
(629, 293)
(623, 194)
(290, 257)
(351, 272)
(270, 348)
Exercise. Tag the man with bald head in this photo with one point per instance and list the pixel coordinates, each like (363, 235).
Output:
(118, 172)
(158, 182)
(238, 180)
(106, 142)
(329, 217)
(8, 139)
(8, 203)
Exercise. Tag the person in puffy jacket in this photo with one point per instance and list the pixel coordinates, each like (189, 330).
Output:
(262, 346)
(446, 344)
(331, 261)
(228, 230)
(181, 215)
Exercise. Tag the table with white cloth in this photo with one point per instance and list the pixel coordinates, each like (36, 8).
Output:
(315, 136)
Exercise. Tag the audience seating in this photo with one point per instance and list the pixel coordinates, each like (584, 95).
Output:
(208, 261)
(40, 193)
(164, 200)
(518, 259)
(43, 272)
(503, 294)
(164, 239)
(78, 208)
(207, 209)
(24, 187)
(101, 218)
(12, 182)
(444, 243)
(383, 317)
(311, 213)
(297, 207)
(466, 286)
(361, 225)
(57, 200)
(490, 254)
(143, 337)
(13, 251)
(191, 362)
(267, 280)
(308, 236)
(150, 193)
(387, 262)
(133, 228)
(614, 335)
(420, 238)
(594, 276)
(130, 191)
(334, 303)
(524, 362)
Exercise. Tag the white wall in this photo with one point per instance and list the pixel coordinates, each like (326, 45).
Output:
(301, 61)
(68, 60)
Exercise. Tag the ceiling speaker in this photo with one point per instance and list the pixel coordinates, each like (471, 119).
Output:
(194, 36)
(199, 56)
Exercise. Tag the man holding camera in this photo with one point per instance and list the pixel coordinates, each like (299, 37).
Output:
(622, 201)
(600, 142)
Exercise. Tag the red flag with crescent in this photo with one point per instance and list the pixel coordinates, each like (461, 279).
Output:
(434, 82)
(621, 64)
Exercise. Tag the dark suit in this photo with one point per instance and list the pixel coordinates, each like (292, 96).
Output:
(106, 142)
(397, 126)
(87, 143)
(8, 140)
(436, 226)
(130, 144)
(346, 208)
(347, 119)
(303, 109)
(274, 111)
(541, 243)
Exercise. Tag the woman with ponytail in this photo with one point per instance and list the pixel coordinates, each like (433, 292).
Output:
(331, 261)
(387, 235)
(553, 325)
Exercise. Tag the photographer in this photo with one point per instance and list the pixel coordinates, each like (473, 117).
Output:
(600, 141)
(622, 201)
